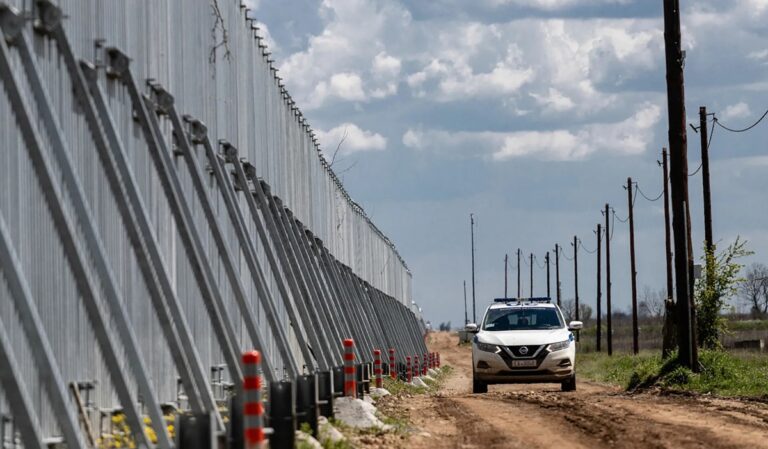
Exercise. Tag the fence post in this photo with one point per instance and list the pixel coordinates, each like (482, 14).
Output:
(350, 386)
(377, 367)
(392, 371)
(253, 409)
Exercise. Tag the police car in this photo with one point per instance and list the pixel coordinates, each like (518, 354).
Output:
(523, 341)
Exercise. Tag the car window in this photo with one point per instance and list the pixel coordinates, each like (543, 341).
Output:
(522, 319)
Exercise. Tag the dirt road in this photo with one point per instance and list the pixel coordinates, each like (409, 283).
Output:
(595, 416)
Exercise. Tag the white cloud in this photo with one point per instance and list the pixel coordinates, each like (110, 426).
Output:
(738, 110)
(554, 100)
(551, 5)
(351, 138)
(385, 65)
(631, 136)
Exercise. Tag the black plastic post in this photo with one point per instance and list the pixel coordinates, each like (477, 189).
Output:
(196, 431)
(359, 368)
(282, 415)
(325, 393)
(306, 401)
(338, 381)
(235, 426)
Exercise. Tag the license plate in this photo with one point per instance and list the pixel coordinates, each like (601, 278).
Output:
(523, 363)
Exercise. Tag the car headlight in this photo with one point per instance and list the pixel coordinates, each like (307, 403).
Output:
(488, 348)
(559, 346)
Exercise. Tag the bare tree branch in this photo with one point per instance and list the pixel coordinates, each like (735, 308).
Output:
(224, 42)
(338, 148)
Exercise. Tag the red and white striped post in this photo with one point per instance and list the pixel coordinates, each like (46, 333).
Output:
(424, 365)
(350, 383)
(377, 367)
(392, 373)
(431, 360)
(416, 366)
(253, 409)
(408, 372)
(438, 360)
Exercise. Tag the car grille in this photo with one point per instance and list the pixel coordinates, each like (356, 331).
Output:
(529, 353)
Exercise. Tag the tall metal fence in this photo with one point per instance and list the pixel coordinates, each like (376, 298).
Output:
(164, 207)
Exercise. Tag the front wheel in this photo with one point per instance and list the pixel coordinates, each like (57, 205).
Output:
(478, 386)
(569, 384)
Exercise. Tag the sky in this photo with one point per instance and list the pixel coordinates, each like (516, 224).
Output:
(530, 114)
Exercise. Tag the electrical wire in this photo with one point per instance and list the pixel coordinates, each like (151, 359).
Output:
(566, 257)
(717, 122)
(581, 244)
(637, 186)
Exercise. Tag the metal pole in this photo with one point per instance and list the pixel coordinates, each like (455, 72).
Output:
(633, 277)
(506, 263)
(557, 274)
(687, 353)
(466, 316)
(472, 231)
(549, 295)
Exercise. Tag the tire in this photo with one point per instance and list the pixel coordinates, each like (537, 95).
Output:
(569, 385)
(478, 386)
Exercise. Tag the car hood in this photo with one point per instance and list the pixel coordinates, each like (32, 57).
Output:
(528, 338)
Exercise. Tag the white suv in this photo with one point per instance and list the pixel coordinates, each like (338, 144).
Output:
(523, 341)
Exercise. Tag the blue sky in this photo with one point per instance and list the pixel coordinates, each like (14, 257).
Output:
(530, 114)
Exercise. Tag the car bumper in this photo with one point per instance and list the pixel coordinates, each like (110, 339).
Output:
(497, 368)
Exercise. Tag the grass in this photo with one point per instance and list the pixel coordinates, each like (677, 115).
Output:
(398, 388)
(723, 373)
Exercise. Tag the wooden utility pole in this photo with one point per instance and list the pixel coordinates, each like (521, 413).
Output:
(472, 226)
(599, 329)
(557, 273)
(633, 276)
(548, 286)
(669, 341)
(576, 274)
(518, 273)
(703, 132)
(609, 336)
(506, 271)
(531, 276)
(678, 147)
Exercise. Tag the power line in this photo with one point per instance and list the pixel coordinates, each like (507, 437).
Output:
(581, 245)
(709, 144)
(637, 187)
(717, 122)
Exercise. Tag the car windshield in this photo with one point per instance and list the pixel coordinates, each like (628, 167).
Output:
(514, 319)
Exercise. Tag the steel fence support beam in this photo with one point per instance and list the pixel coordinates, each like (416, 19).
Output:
(249, 252)
(307, 340)
(66, 230)
(40, 348)
(215, 229)
(16, 395)
(303, 297)
(337, 303)
(222, 326)
(172, 321)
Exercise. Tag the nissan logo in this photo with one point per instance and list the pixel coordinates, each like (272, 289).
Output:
(524, 350)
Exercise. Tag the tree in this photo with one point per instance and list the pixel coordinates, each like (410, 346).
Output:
(719, 282)
(585, 312)
(651, 303)
(568, 306)
(445, 327)
(754, 289)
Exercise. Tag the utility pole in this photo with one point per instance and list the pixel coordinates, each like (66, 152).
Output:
(678, 146)
(668, 338)
(599, 292)
(703, 132)
(466, 316)
(557, 273)
(633, 277)
(609, 336)
(506, 270)
(531, 276)
(548, 287)
(518, 273)
(472, 230)
(576, 274)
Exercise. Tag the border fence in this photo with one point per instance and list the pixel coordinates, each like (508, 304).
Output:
(165, 208)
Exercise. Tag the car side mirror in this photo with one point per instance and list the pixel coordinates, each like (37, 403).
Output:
(575, 326)
(471, 327)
